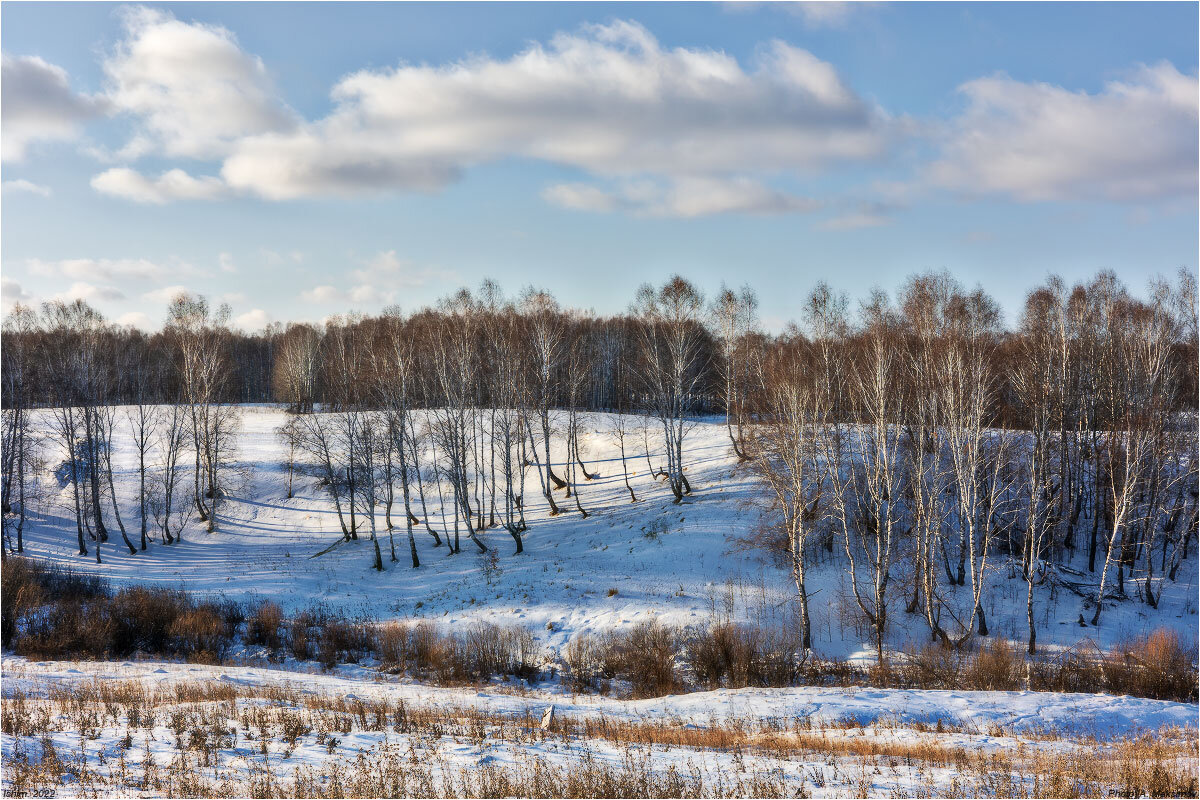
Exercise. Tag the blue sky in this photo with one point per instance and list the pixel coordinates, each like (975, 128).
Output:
(298, 160)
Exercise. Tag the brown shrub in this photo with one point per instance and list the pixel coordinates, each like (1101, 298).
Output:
(26, 585)
(264, 625)
(393, 645)
(202, 634)
(645, 657)
(20, 593)
(491, 650)
(584, 657)
(66, 629)
(142, 618)
(998, 666)
(341, 640)
(736, 656)
(1158, 665)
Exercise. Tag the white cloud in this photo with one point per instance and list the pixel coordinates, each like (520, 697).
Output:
(22, 185)
(105, 269)
(225, 261)
(12, 293)
(165, 295)
(609, 100)
(681, 197)
(815, 13)
(1134, 140)
(580, 197)
(275, 258)
(174, 184)
(855, 220)
(136, 319)
(323, 294)
(37, 104)
(381, 280)
(253, 320)
(825, 13)
(82, 290)
(192, 88)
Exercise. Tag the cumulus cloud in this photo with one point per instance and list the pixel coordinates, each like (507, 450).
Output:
(380, 280)
(29, 187)
(871, 214)
(105, 269)
(323, 294)
(193, 90)
(165, 295)
(253, 320)
(136, 319)
(12, 293)
(682, 197)
(1135, 140)
(37, 104)
(174, 184)
(855, 220)
(82, 290)
(609, 99)
(825, 13)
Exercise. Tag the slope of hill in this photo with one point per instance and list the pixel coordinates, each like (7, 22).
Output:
(625, 562)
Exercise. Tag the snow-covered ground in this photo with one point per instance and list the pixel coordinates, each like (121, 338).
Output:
(622, 564)
(682, 564)
(1095, 715)
(777, 742)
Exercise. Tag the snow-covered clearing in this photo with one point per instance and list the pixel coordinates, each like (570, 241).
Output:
(210, 729)
(622, 564)
(684, 565)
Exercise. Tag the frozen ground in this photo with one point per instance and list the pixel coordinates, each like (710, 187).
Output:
(824, 742)
(982, 713)
(624, 563)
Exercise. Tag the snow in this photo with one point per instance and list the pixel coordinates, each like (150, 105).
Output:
(1098, 715)
(679, 563)
(1005, 730)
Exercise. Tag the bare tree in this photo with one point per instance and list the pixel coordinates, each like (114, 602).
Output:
(672, 358)
(201, 337)
(547, 332)
(735, 317)
(785, 451)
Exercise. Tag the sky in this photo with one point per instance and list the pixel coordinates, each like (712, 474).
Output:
(297, 160)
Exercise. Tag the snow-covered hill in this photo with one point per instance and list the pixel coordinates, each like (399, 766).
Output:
(622, 564)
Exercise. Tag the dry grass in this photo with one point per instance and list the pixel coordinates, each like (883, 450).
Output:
(53, 614)
(204, 721)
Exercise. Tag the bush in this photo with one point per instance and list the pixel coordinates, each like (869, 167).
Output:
(645, 657)
(203, 634)
(434, 655)
(491, 650)
(584, 658)
(142, 618)
(1157, 666)
(998, 666)
(300, 633)
(393, 645)
(737, 656)
(264, 625)
(66, 629)
(341, 640)
(20, 592)
(25, 585)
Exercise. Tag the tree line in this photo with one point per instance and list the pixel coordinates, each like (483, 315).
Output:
(915, 435)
